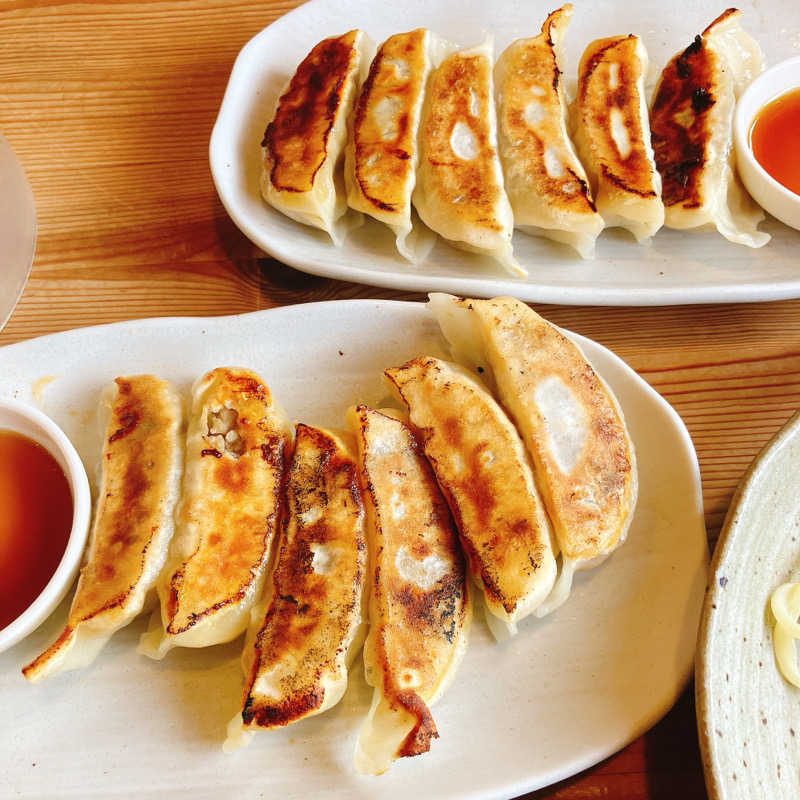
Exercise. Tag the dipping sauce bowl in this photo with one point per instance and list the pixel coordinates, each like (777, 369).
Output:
(26, 421)
(767, 191)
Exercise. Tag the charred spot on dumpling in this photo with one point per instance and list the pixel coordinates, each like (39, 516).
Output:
(682, 66)
(701, 99)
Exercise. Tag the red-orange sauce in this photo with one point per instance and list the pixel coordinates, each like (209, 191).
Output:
(775, 139)
(35, 521)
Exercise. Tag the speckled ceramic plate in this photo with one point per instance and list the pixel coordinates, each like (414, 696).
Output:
(748, 716)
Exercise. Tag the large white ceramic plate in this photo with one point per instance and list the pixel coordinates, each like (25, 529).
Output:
(566, 692)
(679, 266)
(17, 230)
(748, 716)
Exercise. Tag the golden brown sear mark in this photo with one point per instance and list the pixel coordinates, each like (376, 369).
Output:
(296, 140)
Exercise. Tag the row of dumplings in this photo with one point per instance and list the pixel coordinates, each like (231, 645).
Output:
(313, 541)
(480, 151)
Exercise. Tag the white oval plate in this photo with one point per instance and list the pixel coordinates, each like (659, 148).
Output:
(679, 267)
(748, 716)
(17, 230)
(565, 693)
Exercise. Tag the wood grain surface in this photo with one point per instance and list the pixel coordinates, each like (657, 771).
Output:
(110, 106)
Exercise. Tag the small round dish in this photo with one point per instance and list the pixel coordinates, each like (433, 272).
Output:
(30, 422)
(771, 195)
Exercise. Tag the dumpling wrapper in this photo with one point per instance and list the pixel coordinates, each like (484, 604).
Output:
(382, 154)
(141, 468)
(571, 423)
(484, 472)
(612, 135)
(236, 448)
(691, 119)
(311, 622)
(303, 145)
(419, 604)
(459, 191)
(545, 181)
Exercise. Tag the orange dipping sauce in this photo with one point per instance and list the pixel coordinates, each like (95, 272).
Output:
(775, 139)
(35, 521)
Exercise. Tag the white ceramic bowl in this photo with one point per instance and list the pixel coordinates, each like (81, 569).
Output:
(30, 422)
(771, 195)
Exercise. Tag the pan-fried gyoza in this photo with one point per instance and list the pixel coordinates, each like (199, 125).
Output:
(459, 192)
(310, 624)
(545, 181)
(612, 135)
(303, 145)
(141, 467)
(236, 448)
(691, 119)
(382, 155)
(419, 605)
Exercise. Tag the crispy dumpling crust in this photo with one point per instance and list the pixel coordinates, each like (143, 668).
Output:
(384, 129)
(459, 192)
(304, 144)
(681, 124)
(607, 78)
(528, 74)
(236, 449)
(482, 467)
(296, 141)
(691, 119)
(419, 601)
(141, 464)
(613, 135)
(296, 665)
(471, 186)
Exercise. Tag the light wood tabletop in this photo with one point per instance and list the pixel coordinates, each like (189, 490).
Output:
(110, 105)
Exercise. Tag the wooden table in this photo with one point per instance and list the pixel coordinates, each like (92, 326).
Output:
(110, 107)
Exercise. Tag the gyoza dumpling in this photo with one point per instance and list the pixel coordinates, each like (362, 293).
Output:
(571, 423)
(691, 121)
(419, 605)
(459, 192)
(139, 486)
(304, 143)
(612, 135)
(305, 632)
(545, 181)
(236, 447)
(482, 467)
(381, 157)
